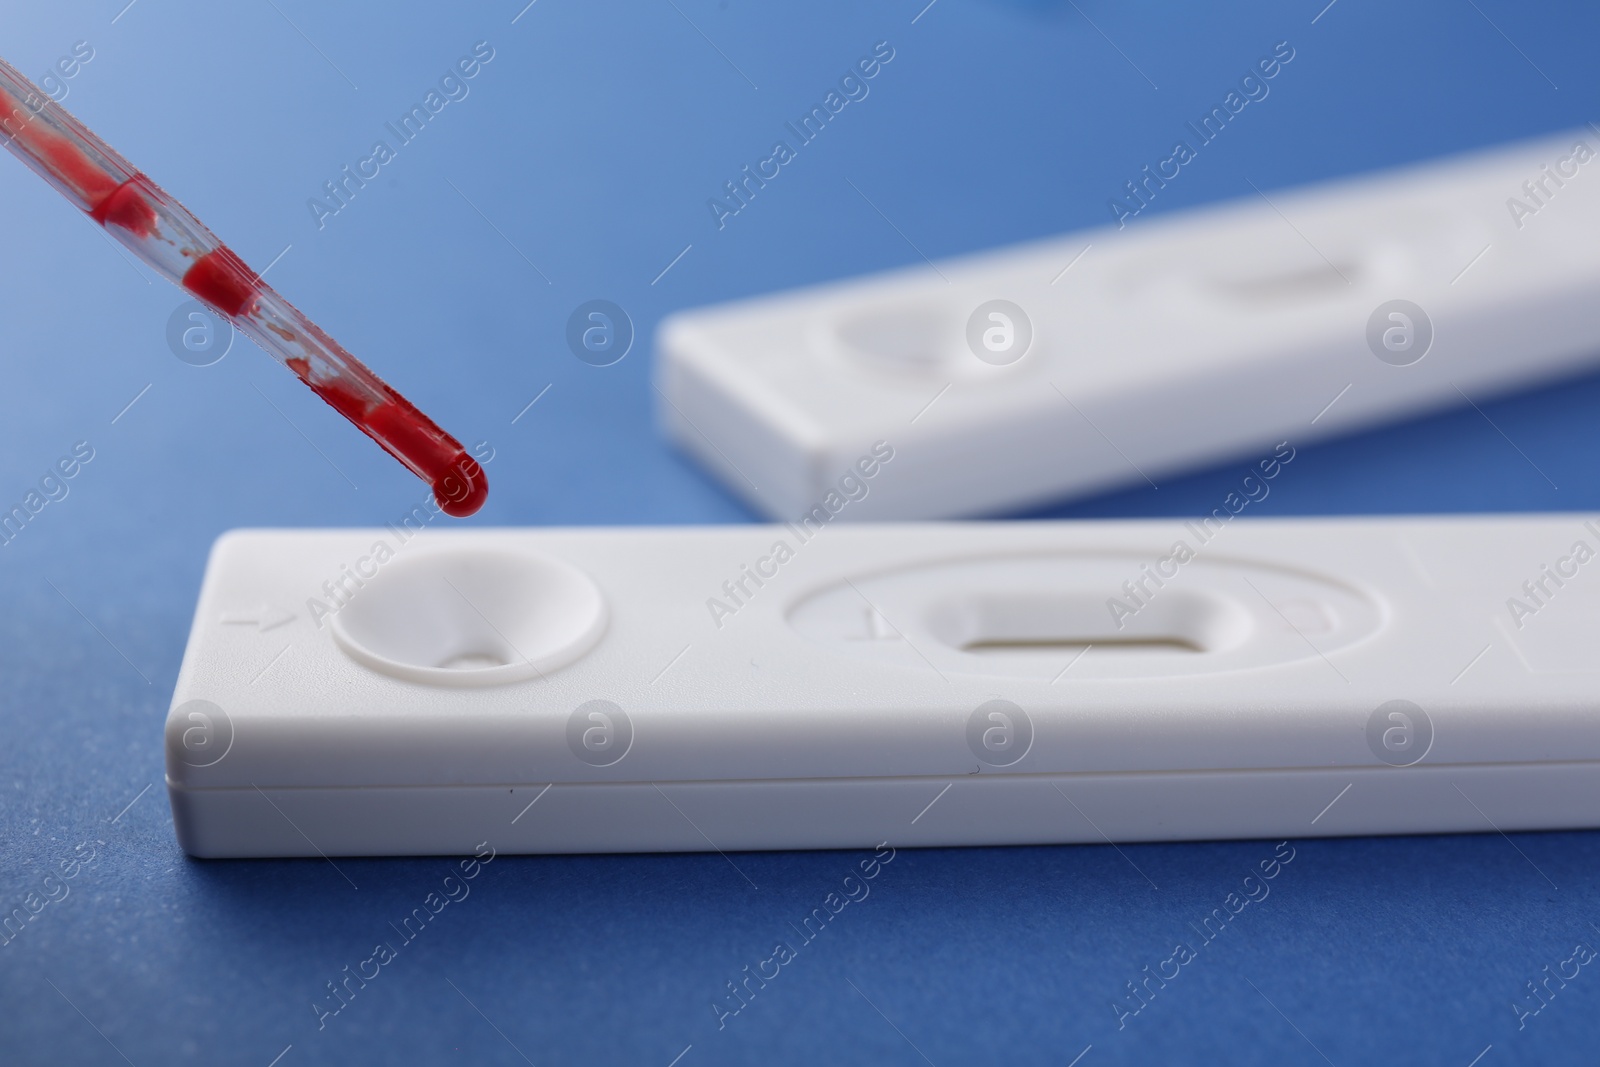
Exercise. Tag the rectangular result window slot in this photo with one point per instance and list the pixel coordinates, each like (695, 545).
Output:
(1074, 644)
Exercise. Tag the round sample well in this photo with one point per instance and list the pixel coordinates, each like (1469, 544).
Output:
(471, 617)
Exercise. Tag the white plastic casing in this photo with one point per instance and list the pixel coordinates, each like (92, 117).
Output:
(1176, 342)
(591, 690)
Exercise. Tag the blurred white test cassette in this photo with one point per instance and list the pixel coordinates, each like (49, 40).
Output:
(1113, 357)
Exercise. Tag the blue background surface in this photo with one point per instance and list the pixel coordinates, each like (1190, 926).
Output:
(592, 142)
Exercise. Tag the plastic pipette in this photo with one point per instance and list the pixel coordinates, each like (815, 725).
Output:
(178, 246)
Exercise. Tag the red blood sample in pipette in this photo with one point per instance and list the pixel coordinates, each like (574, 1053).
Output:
(178, 246)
